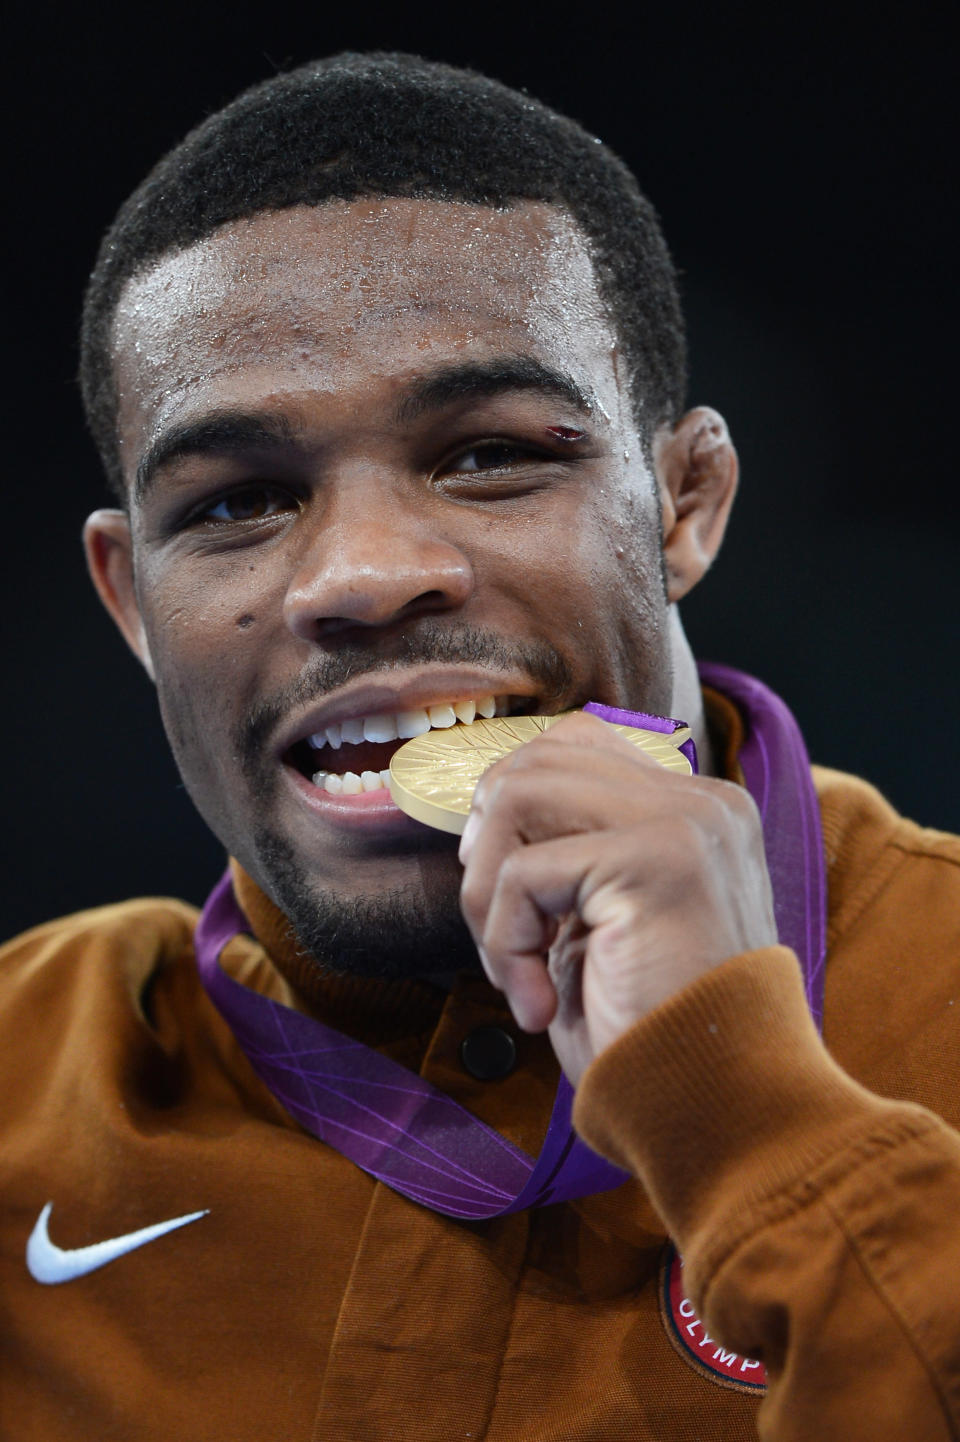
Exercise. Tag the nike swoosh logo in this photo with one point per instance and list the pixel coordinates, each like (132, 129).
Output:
(50, 1264)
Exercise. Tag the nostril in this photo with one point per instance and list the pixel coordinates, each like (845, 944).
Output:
(428, 598)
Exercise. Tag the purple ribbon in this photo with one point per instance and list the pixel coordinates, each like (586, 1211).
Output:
(648, 720)
(406, 1132)
(776, 770)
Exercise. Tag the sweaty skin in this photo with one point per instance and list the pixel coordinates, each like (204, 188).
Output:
(381, 455)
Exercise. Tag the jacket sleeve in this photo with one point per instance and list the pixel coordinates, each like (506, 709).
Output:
(819, 1223)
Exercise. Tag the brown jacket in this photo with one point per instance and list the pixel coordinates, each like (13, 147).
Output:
(818, 1216)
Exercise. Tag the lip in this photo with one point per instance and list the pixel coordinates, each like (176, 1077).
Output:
(415, 688)
(369, 811)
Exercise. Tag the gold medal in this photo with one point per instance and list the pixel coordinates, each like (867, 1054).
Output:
(432, 777)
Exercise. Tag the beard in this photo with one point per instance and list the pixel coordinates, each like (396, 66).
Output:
(396, 934)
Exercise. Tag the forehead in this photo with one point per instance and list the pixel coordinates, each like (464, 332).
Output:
(352, 293)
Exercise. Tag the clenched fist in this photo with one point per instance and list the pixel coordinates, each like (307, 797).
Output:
(596, 883)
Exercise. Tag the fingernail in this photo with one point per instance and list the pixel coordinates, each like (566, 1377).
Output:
(468, 837)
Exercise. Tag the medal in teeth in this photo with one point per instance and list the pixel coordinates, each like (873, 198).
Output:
(433, 776)
(401, 725)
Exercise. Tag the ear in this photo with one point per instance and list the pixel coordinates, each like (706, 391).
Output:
(109, 549)
(696, 468)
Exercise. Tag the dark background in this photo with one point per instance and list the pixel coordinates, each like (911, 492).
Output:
(804, 174)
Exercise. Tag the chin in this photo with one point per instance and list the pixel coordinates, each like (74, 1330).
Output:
(410, 929)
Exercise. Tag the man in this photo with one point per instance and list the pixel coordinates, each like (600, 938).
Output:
(385, 363)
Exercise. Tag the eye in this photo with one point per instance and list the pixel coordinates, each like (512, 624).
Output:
(248, 503)
(492, 456)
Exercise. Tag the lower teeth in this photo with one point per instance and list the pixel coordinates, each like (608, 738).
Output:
(350, 784)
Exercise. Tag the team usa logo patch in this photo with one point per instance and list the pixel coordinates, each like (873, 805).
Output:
(690, 1338)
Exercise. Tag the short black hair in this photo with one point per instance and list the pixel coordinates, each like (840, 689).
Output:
(355, 125)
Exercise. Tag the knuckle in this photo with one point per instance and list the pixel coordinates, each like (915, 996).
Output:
(474, 901)
(725, 810)
(735, 799)
(512, 872)
(742, 804)
(578, 723)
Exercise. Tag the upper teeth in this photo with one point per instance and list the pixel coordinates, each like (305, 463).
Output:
(402, 725)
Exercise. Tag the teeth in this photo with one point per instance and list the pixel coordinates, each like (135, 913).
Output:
(406, 724)
(380, 728)
(442, 716)
(412, 723)
(350, 784)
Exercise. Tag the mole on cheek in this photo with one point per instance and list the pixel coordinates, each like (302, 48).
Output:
(245, 620)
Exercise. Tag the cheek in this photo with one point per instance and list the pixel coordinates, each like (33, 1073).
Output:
(632, 532)
(627, 599)
(200, 651)
(586, 577)
(576, 554)
(612, 555)
(194, 706)
(178, 596)
(202, 701)
(202, 620)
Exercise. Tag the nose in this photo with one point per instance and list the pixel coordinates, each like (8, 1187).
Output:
(373, 557)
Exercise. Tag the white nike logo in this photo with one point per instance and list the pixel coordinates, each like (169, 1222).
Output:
(50, 1264)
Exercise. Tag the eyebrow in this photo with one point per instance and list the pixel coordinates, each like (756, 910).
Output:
(220, 433)
(232, 432)
(467, 380)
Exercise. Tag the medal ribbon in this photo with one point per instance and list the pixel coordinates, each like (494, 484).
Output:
(406, 1132)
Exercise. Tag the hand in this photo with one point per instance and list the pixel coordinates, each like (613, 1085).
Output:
(596, 883)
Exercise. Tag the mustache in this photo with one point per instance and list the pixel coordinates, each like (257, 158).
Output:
(429, 642)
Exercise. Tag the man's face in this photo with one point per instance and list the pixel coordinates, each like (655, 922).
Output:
(381, 458)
